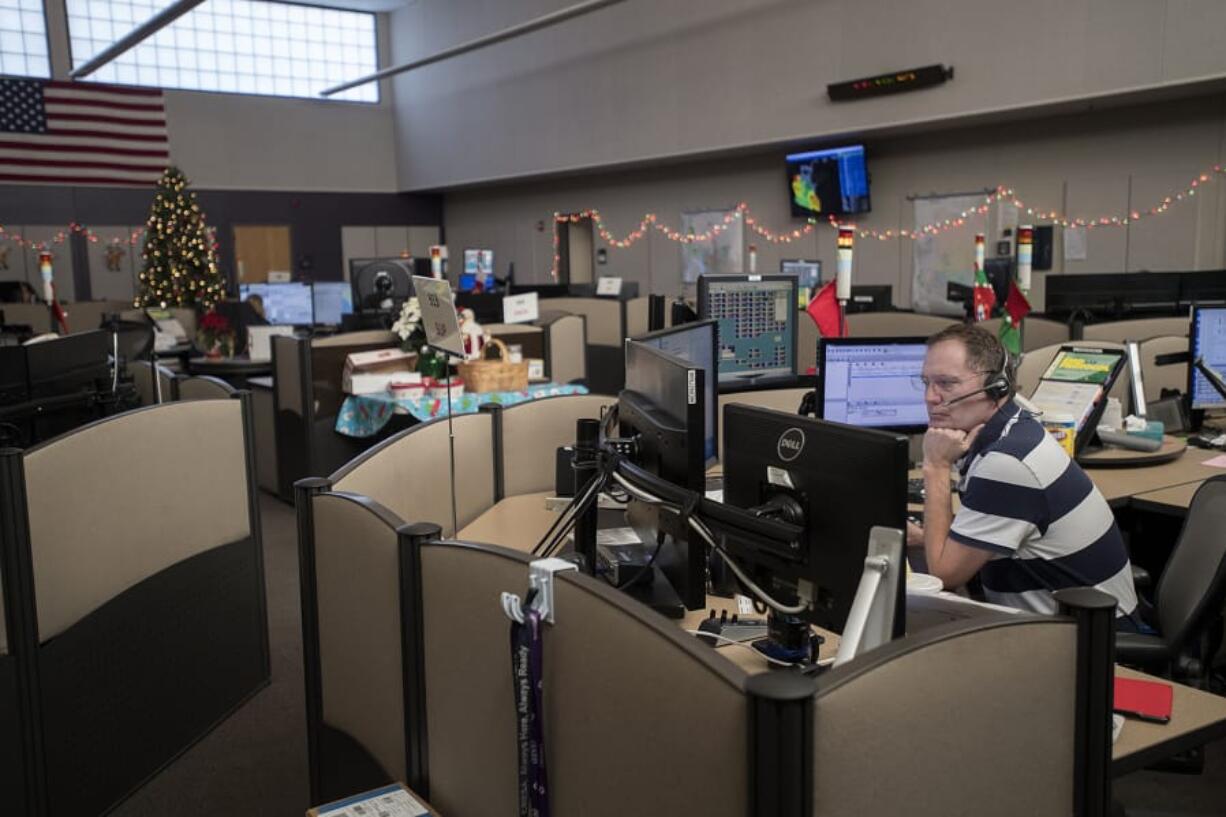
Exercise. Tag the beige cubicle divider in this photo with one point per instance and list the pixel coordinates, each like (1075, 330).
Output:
(204, 387)
(638, 316)
(356, 590)
(565, 347)
(148, 592)
(36, 316)
(1138, 329)
(1013, 683)
(1040, 332)
(409, 473)
(896, 324)
(785, 400)
(86, 315)
(807, 338)
(530, 434)
(614, 673)
(606, 334)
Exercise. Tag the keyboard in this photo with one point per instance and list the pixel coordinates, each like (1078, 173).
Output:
(915, 490)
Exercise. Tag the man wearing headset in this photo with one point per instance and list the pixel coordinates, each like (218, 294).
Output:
(1030, 521)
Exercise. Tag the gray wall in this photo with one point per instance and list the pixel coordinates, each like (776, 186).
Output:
(649, 79)
(1087, 164)
(235, 142)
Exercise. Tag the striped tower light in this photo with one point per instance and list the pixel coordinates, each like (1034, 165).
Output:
(842, 287)
(1025, 255)
(979, 243)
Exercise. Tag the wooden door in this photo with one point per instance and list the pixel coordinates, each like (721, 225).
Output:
(260, 249)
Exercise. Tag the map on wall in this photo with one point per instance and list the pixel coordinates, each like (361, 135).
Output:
(722, 254)
(945, 257)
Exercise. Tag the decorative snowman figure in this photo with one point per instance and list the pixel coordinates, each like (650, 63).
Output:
(472, 333)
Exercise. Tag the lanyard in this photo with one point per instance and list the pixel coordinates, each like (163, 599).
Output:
(526, 663)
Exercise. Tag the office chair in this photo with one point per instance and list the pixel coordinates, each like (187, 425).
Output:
(1188, 600)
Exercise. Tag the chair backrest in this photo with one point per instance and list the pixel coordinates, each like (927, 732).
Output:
(532, 432)
(142, 380)
(1194, 580)
(93, 536)
(1035, 362)
(1137, 329)
(646, 678)
(606, 324)
(886, 716)
(785, 400)
(357, 593)
(409, 473)
(204, 387)
(565, 344)
(895, 324)
(1173, 376)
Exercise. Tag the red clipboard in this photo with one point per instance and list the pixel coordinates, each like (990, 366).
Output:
(1145, 700)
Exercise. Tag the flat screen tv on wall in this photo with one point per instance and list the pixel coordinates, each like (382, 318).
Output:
(832, 181)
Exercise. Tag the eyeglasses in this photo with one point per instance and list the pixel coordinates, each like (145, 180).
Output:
(942, 385)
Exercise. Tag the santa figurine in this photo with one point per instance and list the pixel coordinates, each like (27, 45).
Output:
(473, 335)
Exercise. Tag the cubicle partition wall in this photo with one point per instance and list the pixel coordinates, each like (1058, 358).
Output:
(13, 782)
(143, 596)
(35, 316)
(896, 324)
(1032, 697)
(204, 387)
(146, 390)
(1139, 329)
(528, 435)
(307, 396)
(606, 334)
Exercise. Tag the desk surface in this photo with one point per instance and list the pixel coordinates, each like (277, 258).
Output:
(1116, 457)
(1196, 718)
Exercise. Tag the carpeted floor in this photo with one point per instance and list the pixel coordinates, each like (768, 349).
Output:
(254, 764)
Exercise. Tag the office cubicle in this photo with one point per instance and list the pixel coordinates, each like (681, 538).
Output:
(606, 334)
(144, 596)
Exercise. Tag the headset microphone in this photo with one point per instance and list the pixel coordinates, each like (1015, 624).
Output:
(996, 388)
(960, 398)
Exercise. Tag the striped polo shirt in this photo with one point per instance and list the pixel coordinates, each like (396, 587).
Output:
(1026, 501)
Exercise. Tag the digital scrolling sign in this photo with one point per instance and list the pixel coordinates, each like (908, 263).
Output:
(912, 79)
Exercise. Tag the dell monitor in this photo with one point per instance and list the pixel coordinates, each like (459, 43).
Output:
(756, 316)
(1207, 341)
(872, 383)
(332, 301)
(663, 407)
(828, 182)
(836, 481)
(696, 344)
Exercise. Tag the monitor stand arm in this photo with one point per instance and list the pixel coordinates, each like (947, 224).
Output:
(871, 620)
(1212, 375)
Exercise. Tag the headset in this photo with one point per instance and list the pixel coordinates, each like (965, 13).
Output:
(998, 384)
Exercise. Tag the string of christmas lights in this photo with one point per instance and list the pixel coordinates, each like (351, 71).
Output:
(179, 259)
(1000, 194)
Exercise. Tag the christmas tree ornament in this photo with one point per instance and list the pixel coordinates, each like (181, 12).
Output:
(180, 266)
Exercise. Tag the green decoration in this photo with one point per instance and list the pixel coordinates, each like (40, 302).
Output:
(179, 257)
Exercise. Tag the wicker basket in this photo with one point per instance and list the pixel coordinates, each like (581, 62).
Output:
(494, 375)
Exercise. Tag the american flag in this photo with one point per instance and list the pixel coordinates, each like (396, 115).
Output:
(78, 133)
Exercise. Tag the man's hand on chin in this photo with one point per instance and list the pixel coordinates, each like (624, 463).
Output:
(945, 446)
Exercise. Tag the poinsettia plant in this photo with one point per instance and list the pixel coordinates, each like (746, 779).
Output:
(408, 327)
(215, 335)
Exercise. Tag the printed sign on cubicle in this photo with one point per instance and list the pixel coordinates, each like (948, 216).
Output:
(438, 315)
(520, 308)
(608, 286)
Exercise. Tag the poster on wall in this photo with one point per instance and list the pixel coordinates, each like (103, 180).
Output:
(945, 257)
(722, 254)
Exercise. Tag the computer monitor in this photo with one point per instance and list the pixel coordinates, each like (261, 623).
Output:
(331, 302)
(288, 304)
(872, 383)
(1207, 340)
(756, 316)
(870, 298)
(1076, 384)
(663, 406)
(836, 481)
(808, 277)
(695, 343)
(478, 272)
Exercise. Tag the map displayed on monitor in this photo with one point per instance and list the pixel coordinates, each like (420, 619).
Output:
(756, 322)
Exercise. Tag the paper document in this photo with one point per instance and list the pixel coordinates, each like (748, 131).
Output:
(392, 801)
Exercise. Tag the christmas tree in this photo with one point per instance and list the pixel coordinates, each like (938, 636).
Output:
(180, 260)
